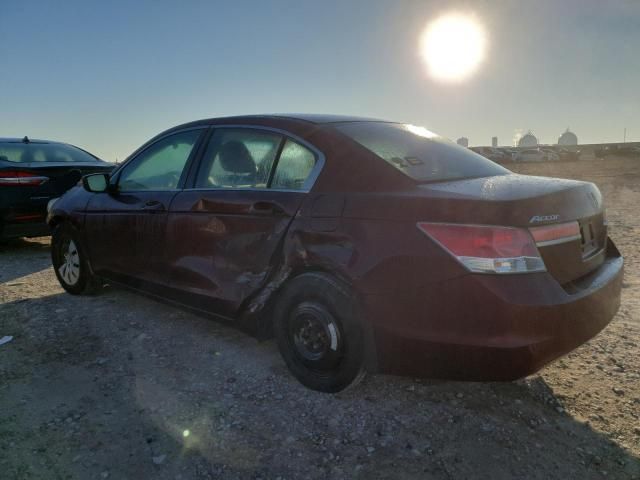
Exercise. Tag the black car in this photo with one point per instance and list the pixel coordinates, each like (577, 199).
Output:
(33, 172)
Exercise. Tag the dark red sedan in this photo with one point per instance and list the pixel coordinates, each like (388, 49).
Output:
(361, 245)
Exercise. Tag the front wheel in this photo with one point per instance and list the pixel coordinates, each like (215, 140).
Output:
(319, 334)
(70, 261)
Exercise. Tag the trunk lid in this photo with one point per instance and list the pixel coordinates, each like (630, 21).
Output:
(506, 200)
(62, 176)
(27, 203)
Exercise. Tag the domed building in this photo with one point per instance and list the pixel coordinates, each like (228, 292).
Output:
(528, 140)
(568, 138)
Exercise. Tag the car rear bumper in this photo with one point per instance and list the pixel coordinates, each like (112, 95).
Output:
(16, 230)
(491, 327)
(32, 224)
(23, 217)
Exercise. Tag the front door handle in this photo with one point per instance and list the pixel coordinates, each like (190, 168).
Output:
(154, 206)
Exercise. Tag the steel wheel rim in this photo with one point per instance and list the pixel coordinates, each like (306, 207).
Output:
(315, 336)
(69, 270)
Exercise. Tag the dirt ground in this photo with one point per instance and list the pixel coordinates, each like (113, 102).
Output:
(124, 387)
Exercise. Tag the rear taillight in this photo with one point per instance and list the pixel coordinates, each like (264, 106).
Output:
(552, 234)
(18, 178)
(487, 249)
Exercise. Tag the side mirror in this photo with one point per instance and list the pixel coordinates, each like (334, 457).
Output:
(96, 182)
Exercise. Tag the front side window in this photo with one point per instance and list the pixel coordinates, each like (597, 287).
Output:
(160, 166)
(238, 158)
(294, 166)
(419, 153)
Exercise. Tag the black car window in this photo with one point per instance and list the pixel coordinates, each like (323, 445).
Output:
(43, 152)
(238, 158)
(418, 153)
(294, 166)
(160, 166)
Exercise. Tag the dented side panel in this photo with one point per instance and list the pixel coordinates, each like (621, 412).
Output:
(224, 244)
(370, 255)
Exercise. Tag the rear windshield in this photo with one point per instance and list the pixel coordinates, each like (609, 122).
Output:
(43, 152)
(418, 153)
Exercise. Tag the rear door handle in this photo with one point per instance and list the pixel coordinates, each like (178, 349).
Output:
(266, 208)
(154, 206)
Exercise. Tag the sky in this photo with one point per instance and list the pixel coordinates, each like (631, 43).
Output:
(107, 76)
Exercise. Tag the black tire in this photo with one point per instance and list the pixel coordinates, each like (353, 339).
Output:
(63, 239)
(320, 336)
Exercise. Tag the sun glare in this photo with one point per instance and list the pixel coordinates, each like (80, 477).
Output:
(453, 46)
(420, 131)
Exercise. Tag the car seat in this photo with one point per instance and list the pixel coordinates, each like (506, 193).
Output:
(237, 162)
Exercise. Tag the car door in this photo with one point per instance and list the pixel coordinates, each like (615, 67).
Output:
(225, 232)
(125, 228)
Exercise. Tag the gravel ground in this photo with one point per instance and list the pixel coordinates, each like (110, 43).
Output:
(120, 386)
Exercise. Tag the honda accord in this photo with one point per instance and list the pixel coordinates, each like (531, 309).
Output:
(360, 245)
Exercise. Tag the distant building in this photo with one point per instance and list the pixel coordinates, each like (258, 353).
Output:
(568, 138)
(528, 140)
(463, 141)
(494, 142)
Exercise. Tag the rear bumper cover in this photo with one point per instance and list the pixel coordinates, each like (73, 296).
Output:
(24, 219)
(491, 327)
(24, 229)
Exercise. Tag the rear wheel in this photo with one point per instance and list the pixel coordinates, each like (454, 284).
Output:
(319, 335)
(70, 262)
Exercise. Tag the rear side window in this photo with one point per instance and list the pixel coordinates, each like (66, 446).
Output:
(238, 158)
(294, 166)
(43, 153)
(418, 153)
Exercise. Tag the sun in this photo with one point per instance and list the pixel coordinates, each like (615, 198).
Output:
(453, 46)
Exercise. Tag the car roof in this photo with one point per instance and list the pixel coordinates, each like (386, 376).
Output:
(318, 130)
(31, 140)
(322, 118)
(316, 118)
(310, 119)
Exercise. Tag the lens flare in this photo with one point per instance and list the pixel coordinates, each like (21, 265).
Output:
(453, 46)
